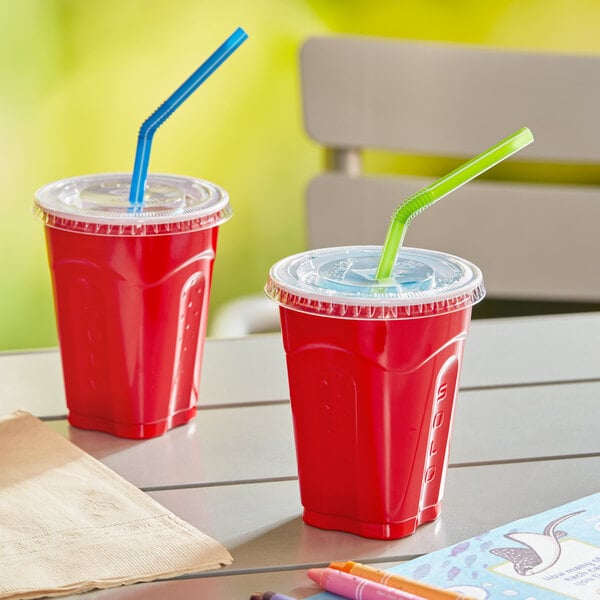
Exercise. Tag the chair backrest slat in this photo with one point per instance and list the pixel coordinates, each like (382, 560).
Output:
(444, 99)
(531, 241)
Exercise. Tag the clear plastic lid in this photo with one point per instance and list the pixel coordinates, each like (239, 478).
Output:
(341, 282)
(99, 204)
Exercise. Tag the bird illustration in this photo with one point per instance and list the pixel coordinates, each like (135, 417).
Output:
(541, 550)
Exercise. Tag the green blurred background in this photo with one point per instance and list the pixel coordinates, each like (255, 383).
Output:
(80, 76)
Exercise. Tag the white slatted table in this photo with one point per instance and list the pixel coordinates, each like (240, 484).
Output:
(526, 438)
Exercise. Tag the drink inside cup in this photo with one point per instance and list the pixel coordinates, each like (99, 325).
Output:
(373, 370)
(131, 291)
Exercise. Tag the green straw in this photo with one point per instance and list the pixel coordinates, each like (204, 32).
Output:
(432, 193)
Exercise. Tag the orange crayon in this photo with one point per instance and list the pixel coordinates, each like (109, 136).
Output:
(398, 582)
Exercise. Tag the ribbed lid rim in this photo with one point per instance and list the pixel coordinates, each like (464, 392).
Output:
(207, 205)
(296, 295)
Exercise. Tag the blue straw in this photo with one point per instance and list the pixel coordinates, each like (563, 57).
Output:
(166, 109)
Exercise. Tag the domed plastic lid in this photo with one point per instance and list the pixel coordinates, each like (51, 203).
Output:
(341, 282)
(99, 204)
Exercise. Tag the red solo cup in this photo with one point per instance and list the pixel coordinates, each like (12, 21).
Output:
(373, 369)
(131, 289)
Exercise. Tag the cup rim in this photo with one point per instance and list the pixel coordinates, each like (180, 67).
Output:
(204, 205)
(282, 289)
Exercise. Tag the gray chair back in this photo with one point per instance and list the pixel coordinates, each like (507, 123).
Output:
(533, 240)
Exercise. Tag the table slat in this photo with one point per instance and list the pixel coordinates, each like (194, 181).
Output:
(261, 523)
(252, 369)
(255, 442)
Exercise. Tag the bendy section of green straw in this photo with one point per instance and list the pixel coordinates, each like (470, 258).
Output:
(432, 193)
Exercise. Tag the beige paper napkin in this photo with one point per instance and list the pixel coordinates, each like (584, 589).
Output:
(69, 524)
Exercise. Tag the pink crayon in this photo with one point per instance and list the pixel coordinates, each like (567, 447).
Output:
(356, 588)
(269, 596)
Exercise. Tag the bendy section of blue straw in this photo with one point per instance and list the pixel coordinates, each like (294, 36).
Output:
(166, 109)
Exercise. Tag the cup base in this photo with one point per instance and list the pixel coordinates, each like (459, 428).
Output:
(379, 531)
(132, 430)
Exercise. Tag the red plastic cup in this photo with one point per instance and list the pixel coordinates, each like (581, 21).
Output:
(373, 371)
(131, 290)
